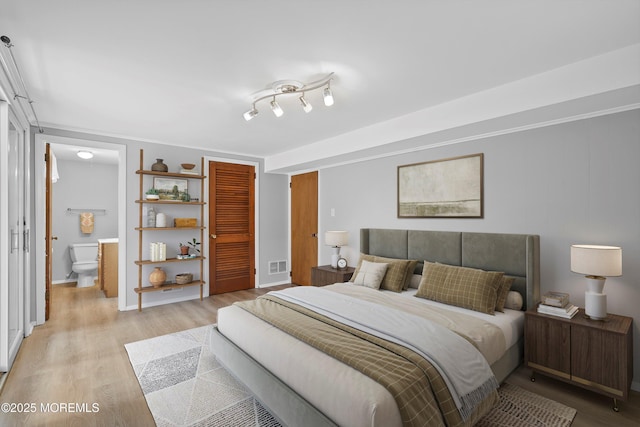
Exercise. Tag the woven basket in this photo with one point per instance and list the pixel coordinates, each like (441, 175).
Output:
(184, 278)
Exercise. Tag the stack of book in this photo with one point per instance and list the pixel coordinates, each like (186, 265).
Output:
(557, 304)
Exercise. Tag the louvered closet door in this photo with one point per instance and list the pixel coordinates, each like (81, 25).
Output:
(231, 222)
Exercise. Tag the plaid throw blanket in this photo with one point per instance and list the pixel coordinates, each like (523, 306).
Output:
(420, 391)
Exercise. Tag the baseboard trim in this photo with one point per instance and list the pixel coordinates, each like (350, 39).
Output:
(268, 285)
(163, 302)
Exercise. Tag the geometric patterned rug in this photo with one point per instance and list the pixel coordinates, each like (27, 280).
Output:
(184, 385)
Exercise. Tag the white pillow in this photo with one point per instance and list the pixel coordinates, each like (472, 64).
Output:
(415, 281)
(370, 274)
(514, 301)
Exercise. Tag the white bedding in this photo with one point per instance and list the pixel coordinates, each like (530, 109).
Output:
(354, 399)
(511, 322)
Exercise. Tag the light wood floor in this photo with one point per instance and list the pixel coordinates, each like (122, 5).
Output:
(78, 356)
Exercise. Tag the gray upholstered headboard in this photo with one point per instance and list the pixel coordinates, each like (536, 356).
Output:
(518, 255)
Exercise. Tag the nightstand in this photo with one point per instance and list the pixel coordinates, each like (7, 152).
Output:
(326, 275)
(596, 355)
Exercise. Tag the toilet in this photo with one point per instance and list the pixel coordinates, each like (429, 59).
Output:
(85, 262)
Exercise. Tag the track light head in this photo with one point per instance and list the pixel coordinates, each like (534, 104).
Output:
(251, 113)
(275, 107)
(328, 96)
(305, 104)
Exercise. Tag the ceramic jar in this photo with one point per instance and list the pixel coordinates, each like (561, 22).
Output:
(157, 277)
(158, 166)
(161, 220)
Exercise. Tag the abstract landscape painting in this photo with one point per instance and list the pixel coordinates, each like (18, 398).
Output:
(447, 188)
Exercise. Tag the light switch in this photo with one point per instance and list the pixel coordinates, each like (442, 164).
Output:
(333, 211)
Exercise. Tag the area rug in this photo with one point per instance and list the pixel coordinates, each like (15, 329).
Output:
(521, 408)
(184, 385)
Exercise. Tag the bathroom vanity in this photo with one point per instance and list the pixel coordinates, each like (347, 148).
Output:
(108, 266)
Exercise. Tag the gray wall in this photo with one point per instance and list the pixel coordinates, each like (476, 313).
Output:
(82, 185)
(571, 183)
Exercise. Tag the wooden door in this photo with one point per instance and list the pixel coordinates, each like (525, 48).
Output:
(48, 232)
(232, 223)
(304, 227)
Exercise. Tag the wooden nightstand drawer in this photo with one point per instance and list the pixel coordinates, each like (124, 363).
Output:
(327, 275)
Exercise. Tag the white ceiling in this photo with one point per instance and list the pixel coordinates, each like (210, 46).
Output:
(183, 72)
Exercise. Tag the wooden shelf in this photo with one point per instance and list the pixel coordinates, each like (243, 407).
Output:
(147, 262)
(143, 264)
(168, 228)
(169, 202)
(166, 286)
(170, 174)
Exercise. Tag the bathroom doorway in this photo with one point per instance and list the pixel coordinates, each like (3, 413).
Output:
(88, 206)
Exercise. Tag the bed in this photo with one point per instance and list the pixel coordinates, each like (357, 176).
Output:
(301, 385)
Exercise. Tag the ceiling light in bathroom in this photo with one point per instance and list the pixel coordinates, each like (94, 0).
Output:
(83, 154)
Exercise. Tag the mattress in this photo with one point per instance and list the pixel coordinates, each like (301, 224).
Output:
(353, 399)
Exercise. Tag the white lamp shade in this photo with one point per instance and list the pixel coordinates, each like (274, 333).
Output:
(336, 238)
(595, 260)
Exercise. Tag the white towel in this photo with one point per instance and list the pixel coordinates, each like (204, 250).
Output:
(54, 167)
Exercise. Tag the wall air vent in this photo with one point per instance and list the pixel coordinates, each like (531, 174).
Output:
(276, 267)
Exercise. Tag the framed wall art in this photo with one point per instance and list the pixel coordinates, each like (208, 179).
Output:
(447, 188)
(171, 188)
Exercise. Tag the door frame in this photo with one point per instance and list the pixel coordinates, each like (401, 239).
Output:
(40, 141)
(205, 198)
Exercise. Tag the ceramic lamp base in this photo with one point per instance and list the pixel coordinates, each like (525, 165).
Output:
(335, 256)
(595, 301)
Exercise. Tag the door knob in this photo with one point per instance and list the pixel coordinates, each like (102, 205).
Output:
(213, 236)
(54, 237)
(314, 234)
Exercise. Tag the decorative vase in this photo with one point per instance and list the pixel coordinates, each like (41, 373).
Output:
(151, 217)
(161, 220)
(158, 166)
(157, 277)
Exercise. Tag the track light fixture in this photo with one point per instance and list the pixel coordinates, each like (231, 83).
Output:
(288, 87)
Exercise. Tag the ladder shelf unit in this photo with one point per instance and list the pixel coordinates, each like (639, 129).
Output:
(144, 287)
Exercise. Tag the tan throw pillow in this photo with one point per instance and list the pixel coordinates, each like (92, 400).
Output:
(464, 287)
(503, 291)
(514, 301)
(370, 274)
(398, 275)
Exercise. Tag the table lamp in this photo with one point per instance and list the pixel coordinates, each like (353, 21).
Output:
(336, 239)
(596, 262)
